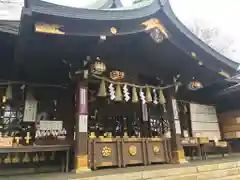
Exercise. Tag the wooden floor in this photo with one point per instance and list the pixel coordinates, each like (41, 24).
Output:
(67, 176)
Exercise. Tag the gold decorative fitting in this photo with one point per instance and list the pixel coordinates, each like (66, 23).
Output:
(132, 150)
(155, 23)
(113, 30)
(48, 28)
(224, 74)
(106, 151)
(156, 149)
(193, 54)
(92, 135)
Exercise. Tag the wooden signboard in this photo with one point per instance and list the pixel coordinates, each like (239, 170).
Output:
(30, 111)
(204, 121)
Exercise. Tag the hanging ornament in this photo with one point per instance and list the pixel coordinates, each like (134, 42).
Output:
(126, 93)
(162, 99)
(102, 90)
(155, 99)
(134, 95)
(111, 91)
(8, 93)
(142, 96)
(118, 93)
(148, 95)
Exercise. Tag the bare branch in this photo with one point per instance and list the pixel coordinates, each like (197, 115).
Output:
(212, 36)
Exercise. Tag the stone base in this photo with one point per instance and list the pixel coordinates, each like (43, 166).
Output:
(82, 164)
(178, 157)
(77, 171)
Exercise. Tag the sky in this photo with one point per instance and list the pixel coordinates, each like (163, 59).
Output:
(221, 14)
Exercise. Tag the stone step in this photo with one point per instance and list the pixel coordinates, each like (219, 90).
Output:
(216, 174)
(235, 177)
(210, 170)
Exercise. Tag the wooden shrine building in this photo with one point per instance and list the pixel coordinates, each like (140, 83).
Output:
(109, 82)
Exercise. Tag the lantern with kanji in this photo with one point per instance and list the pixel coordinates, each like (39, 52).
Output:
(116, 75)
(195, 85)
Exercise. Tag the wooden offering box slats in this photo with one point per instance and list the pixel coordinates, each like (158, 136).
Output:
(133, 151)
(157, 150)
(104, 153)
(122, 152)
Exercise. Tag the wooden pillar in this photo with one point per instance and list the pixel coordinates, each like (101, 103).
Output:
(177, 149)
(81, 150)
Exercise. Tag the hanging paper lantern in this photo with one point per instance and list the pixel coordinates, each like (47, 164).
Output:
(142, 96)
(98, 67)
(118, 93)
(148, 95)
(111, 91)
(116, 75)
(155, 99)
(134, 95)
(102, 90)
(162, 99)
(126, 93)
(195, 85)
(8, 93)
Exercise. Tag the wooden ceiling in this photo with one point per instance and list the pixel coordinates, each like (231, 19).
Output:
(40, 57)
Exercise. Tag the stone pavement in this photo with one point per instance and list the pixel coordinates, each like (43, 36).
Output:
(224, 169)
